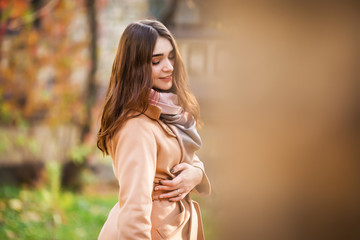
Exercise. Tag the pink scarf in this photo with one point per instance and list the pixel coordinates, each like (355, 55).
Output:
(173, 113)
(168, 102)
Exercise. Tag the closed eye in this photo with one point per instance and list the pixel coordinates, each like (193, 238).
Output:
(172, 55)
(156, 60)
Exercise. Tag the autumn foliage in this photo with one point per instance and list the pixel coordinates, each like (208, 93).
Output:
(44, 62)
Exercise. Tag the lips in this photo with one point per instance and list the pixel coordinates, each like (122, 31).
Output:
(166, 78)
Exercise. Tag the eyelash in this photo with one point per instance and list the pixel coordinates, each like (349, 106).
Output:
(156, 63)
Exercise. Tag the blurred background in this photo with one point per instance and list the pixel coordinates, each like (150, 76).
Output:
(278, 85)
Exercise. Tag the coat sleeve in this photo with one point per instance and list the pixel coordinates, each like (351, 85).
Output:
(204, 187)
(135, 166)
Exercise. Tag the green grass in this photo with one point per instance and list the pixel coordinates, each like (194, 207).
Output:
(38, 214)
(48, 214)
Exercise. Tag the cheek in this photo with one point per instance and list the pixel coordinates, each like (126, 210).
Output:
(155, 72)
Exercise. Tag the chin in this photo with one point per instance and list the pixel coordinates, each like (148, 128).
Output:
(164, 89)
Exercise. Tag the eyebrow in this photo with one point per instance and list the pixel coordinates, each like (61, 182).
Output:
(161, 54)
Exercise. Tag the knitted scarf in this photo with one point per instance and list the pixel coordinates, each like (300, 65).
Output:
(172, 113)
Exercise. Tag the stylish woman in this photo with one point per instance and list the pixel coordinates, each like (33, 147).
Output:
(148, 127)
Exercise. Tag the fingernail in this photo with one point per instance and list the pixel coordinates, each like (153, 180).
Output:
(172, 170)
(156, 188)
(161, 196)
(160, 182)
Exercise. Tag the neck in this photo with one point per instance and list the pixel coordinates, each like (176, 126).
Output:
(171, 90)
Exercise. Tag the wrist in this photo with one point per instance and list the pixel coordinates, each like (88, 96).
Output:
(199, 175)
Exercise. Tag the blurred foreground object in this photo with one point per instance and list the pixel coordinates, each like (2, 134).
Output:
(288, 133)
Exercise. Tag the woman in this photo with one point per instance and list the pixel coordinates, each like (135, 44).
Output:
(148, 127)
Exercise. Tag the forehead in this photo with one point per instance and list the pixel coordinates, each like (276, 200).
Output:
(162, 46)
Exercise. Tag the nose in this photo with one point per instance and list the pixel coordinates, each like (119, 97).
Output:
(168, 66)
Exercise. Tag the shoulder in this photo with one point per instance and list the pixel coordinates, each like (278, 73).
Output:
(137, 125)
(138, 122)
(138, 128)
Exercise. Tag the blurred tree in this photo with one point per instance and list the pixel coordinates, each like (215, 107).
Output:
(47, 75)
(39, 65)
(71, 176)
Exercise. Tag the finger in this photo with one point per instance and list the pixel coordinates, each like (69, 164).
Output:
(171, 183)
(163, 188)
(179, 167)
(177, 198)
(171, 194)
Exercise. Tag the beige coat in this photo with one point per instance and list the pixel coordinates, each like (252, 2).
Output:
(143, 152)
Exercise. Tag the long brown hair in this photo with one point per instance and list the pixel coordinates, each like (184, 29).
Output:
(131, 81)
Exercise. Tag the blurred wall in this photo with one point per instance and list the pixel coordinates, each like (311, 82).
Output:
(286, 128)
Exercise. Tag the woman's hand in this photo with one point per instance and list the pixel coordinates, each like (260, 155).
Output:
(187, 178)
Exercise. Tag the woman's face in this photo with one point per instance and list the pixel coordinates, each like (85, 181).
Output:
(163, 59)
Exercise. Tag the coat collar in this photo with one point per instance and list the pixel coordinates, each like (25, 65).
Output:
(153, 112)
